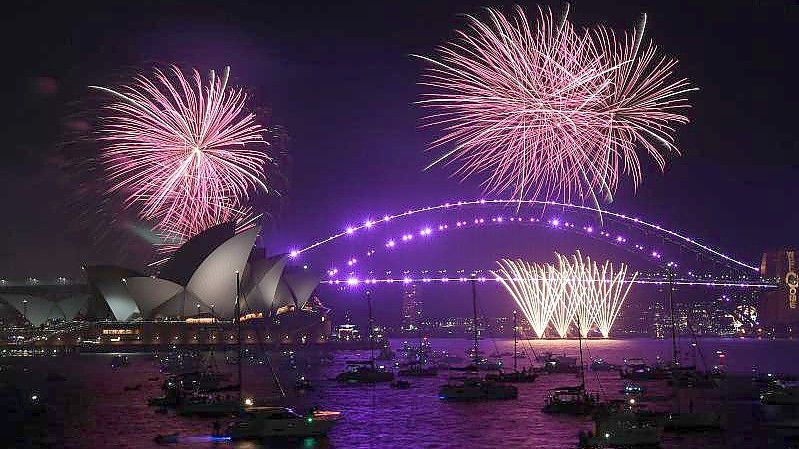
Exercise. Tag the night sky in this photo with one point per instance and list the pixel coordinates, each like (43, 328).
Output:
(341, 81)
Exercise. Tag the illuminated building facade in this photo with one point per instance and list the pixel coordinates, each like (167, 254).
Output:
(779, 312)
(196, 288)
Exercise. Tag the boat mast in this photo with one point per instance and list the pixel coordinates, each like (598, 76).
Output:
(371, 328)
(475, 346)
(580, 342)
(514, 341)
(670, 297)
(238, 329)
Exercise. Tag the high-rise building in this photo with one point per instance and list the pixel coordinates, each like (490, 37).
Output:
(411, 309)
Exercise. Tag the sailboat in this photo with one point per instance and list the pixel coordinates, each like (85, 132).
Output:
(688, 376)
(366, 371)
(418, 367)
(215, 402)
(572, 400)
(473, 388)
(515, 375)
(258, 422)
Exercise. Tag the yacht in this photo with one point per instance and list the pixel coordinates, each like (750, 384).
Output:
(472, 387)
(637, 369)
(524, 375)
(269, 422)
(561, 364)
(544, 356)
(570, 401)
(625, 427)
(385, 353)
(780, 395)
(476, 389)
(364, 372)
(418, 371)
(602, 365)
(515, 376)
(207, 404)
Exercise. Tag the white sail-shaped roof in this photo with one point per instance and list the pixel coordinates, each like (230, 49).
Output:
(214, 281)
(296, 287)
(263, 278)
(74, 305)
(107, 280)
(183, 304)
(149, 293)
(35, 309)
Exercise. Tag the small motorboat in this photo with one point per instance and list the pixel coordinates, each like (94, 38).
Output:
(401, 384)
(631, 389)
(172, 438)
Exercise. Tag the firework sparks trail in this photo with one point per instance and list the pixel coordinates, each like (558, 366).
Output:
(525, 281)
(584, 289)
(187, 154)
(575, 290)
(547, 112)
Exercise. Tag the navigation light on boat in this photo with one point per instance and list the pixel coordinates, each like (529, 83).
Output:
(249, 402)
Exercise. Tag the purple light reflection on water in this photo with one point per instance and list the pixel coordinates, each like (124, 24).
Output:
(377, 416)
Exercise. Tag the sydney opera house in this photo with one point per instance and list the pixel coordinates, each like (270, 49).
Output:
(192, 299)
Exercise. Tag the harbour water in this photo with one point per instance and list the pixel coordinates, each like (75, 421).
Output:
(86, 403)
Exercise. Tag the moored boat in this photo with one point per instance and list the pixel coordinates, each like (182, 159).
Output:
(476, 389)
(270, 422)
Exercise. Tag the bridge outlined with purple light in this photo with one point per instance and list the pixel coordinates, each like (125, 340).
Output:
(745, 272)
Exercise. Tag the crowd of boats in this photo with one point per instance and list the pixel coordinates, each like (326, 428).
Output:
(626, 422)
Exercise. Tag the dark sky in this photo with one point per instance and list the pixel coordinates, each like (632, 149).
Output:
(339, 78)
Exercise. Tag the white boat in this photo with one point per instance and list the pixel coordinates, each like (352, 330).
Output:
(270, 422)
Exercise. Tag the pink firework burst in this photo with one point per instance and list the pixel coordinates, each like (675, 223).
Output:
(548, 112)
(185, 153)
